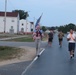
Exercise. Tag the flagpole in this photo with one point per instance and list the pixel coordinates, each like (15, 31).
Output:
(5, 16)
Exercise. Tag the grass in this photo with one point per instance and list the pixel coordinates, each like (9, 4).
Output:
(44, 39)
(4, 36)
(9, 52)
(11, 35)
(23, 39)
(28, 38)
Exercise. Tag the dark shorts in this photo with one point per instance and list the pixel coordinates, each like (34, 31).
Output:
(60, 39)
(71, 46)
(50, 39)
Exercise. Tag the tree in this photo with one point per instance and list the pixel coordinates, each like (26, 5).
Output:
(53, 28)
(22, 14)
(44, 28)
(67, 28)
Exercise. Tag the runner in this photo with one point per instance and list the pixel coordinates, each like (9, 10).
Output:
(71, 38)
(37, 36)
(60, 37)
(50, 37)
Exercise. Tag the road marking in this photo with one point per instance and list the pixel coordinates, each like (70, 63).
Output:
(41, 51)
(23, 73)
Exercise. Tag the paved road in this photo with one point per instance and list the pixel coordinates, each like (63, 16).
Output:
(14, 69)
(54, 61)
(18, 44)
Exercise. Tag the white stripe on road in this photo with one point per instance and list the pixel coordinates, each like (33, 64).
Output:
(42, 51)
(24, 72)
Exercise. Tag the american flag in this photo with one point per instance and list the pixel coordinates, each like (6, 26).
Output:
(38, 21)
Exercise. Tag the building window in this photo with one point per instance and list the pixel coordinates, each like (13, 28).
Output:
(11, 27)
(12, 20)
(22, 24)
(31, 30)
(22, 29)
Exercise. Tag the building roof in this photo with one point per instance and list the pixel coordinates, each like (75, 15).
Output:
(9, 14)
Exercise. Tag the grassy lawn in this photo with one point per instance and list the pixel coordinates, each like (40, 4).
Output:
(4, 36)
(9, 52)
(11, 35)
(23, 39)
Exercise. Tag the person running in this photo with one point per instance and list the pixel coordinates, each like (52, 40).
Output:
(37, 36)
(71, 45)
(60, 37)
(50, 37)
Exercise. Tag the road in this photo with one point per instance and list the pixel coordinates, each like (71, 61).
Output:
(13, 69)
(53, 61)
(18, 44)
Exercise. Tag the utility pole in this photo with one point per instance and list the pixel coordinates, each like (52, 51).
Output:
(34, 24)
(5, 16)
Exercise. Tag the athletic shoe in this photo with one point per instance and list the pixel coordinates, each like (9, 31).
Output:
(73, 55)
(38, 56)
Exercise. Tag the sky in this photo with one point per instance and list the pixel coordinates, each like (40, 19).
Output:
(55, 12)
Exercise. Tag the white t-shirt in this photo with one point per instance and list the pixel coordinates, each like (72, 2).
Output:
(72, 36)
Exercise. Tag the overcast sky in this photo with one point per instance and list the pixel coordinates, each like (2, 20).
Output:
(55, 12)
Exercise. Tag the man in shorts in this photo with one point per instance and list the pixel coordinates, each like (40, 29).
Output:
(71, 45)
(50, 37)
(60, 37)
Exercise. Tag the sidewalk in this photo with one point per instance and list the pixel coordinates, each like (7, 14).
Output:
(12, 37)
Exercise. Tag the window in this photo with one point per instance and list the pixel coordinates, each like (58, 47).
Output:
(31, 30)
(22, 29)
(22, 24)
(12, 20)
(11, 27)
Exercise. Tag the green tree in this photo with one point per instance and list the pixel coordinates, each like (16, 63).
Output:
(66, 28)
(44, 28)
(53, 28)
(22, 14)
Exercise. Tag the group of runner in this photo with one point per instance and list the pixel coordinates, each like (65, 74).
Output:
(38, 34)
(60, 37)
(71, 38)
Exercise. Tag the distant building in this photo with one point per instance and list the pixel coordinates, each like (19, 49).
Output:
(12, 22)
(14, 25)
(26, 26)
